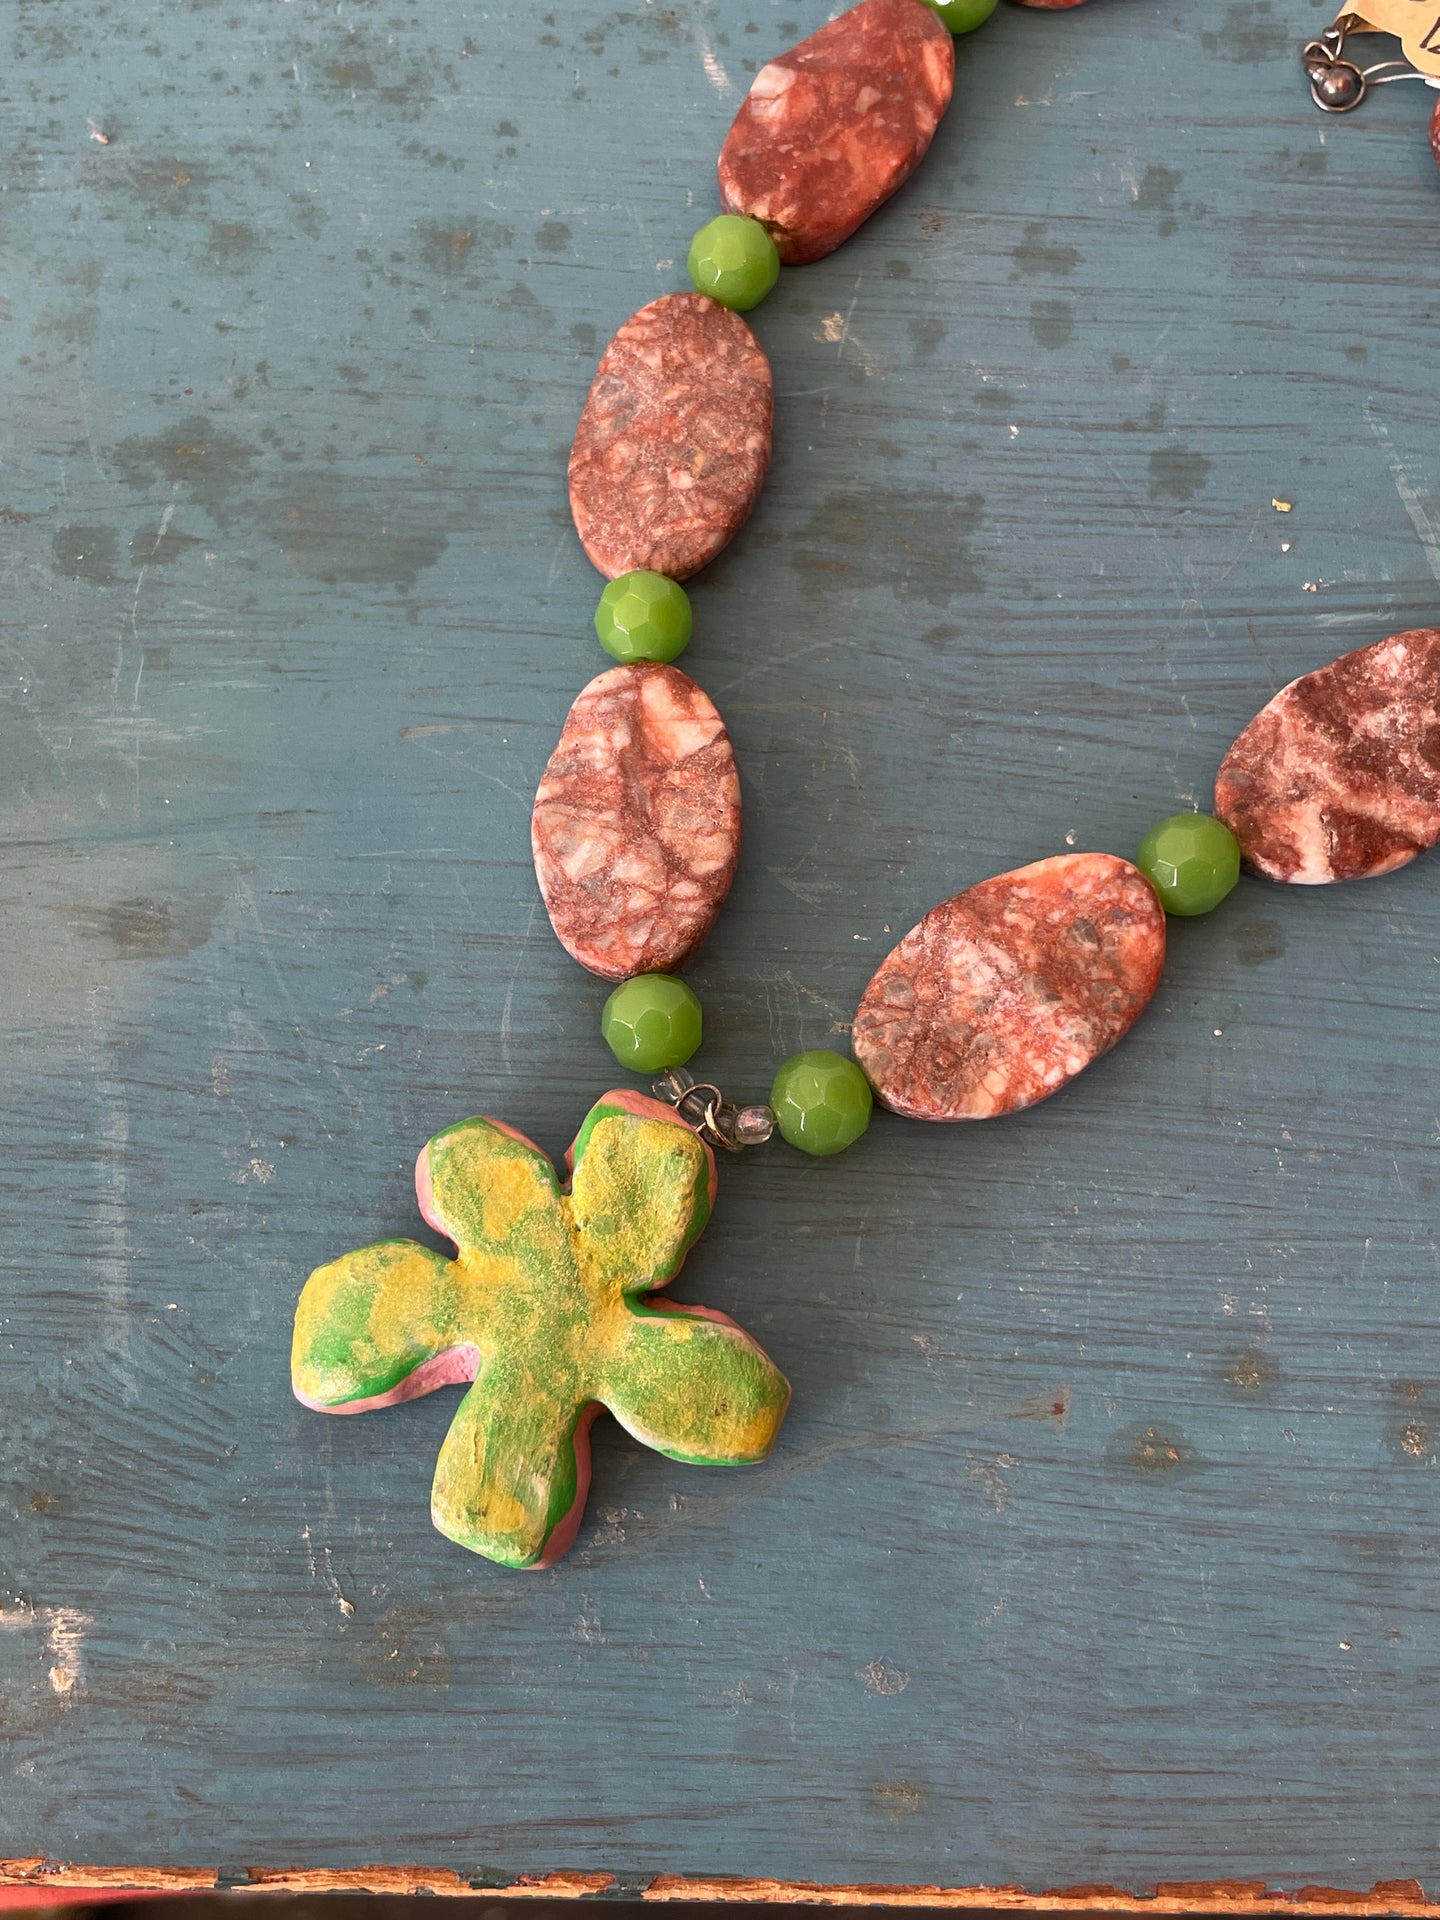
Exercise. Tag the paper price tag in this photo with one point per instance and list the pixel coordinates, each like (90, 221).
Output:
(1415, 23)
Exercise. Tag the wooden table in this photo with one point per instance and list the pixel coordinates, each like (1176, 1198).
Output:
(1101, 1543)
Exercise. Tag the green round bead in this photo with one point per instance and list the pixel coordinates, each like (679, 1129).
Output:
(963, 16)
(643, 616)
(822, 1101)
(652, 1022)
(733, 259)
(1191, 860)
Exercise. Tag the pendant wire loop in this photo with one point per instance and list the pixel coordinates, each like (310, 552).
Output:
(1337, 84)
(706, 1111)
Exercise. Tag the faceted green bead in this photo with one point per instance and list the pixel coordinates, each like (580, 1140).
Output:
(652, 1022)
(1191, 860)
(733, 259)
(822, 1101)
(963, 16)
(643, 616)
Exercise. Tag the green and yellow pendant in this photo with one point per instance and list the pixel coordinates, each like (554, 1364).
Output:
(548, 1309)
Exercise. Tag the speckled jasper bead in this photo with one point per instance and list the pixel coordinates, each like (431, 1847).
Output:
(673, 444)
(636, 826)
(1005, 992)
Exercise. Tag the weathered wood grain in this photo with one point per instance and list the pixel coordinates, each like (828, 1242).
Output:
(1100, 1545)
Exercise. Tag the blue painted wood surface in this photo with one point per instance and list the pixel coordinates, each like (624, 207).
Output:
(1101, 1542)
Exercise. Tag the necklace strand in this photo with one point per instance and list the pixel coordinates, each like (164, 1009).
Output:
(995, 1000)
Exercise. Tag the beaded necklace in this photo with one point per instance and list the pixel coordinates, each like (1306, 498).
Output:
(998, 997)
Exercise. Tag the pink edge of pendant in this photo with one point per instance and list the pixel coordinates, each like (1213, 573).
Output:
(703, 1313)
(456, 1366)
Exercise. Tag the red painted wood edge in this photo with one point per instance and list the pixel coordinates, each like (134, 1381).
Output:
(13, 1898)
(1405, 1898)
(35, 1881)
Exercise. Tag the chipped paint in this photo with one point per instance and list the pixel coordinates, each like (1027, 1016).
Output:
(64, 1629)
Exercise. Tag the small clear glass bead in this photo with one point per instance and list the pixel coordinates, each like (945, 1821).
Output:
(753, 1126)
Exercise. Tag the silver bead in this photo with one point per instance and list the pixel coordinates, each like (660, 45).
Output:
(753, 1126)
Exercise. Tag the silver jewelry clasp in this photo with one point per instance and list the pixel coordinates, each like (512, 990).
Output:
(1338, 85)
(706, 1111)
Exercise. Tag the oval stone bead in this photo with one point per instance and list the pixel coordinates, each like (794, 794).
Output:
(674, 441)
(1338, 777)
(636, 828)
(1008, 990)
(830, 129)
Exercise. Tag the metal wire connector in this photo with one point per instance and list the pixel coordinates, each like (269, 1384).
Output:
(707, 1112)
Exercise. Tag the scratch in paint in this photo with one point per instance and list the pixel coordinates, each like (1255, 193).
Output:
(836, 330)
(714, 67)
(347, 1607)
(1410, 497)
(112, 1249)
(510, 990)
(166, 517)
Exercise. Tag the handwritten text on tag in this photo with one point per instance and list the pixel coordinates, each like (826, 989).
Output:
(1417, 25)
